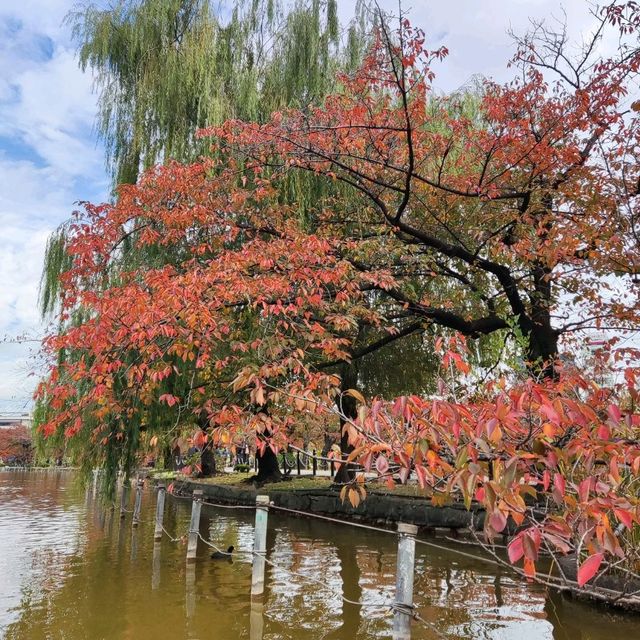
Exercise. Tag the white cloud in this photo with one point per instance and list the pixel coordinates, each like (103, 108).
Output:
(48, 160)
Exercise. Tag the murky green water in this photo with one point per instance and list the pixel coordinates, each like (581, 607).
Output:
(69, 570)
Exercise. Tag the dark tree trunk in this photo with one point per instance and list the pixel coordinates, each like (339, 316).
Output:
(168, 461)
(348, 407)
(268, 467)
(329, 441)
(207, 461)
(542, 351)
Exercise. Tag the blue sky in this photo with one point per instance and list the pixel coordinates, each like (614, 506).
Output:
(50, 158)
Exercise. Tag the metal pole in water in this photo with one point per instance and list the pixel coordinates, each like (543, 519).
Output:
(138, 503)
(155, 566)
(259, 546)
(404, 580)
(157, 534)
(124, 498)
(95, 482)
(194, 525)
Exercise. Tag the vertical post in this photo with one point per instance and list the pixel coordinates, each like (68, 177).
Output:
(259, 546)
(404, 580)
(314, 464)
(124, 497)
(298, 462)
(256, 621)
(332, 469)
(155, 566)
(194, 525)
(157, 534)
(138, 503)
(95, 482)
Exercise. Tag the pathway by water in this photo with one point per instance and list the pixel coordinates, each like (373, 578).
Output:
(70, 570)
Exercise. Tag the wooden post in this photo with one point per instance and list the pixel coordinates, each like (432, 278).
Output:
(404, 580)
(314, 464)
(138, 503)
(194, 526)
(259, 546)
(124, 498)
(157, 534)
(298, 463)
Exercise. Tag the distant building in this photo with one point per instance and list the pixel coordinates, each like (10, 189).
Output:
(15, 419)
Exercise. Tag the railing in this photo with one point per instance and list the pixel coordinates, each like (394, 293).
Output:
(303, 459)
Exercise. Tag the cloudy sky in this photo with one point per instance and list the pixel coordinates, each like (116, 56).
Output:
(50, 158)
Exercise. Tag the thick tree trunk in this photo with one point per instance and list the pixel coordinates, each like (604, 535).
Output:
(348, 408)
(542, 351)
(207, 461)
(268, 468)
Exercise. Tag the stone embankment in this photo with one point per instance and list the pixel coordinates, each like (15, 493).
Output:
(378, 508)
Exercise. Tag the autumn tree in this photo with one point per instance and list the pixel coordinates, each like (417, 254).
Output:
(520, 213)
(15, 445)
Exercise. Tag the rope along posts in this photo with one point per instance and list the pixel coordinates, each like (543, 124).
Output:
(403, 608)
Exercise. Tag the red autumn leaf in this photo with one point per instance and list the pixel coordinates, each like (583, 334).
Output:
(614, 413)
(583, 490)
(169, 399)
(559, 483)
(625, 517)
(589, 568)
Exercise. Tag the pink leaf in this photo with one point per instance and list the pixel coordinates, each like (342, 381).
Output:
(382, 465)
(515, 549)
(614, 413)
(624, 517)
(559, 483)
(498, 521)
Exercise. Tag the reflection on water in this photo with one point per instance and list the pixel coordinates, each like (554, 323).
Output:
(71, 570)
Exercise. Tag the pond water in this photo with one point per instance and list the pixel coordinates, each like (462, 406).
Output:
(71, 570)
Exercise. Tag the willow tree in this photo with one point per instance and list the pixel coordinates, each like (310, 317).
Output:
(165, 68)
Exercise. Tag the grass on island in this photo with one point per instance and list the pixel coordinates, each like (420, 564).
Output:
(296, 483)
